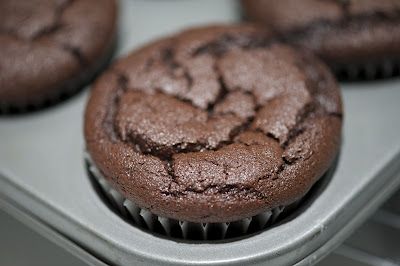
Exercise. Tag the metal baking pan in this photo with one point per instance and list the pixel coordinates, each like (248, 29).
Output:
(43, 180)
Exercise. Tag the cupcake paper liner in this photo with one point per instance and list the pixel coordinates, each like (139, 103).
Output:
(370, 71)
(147, 220)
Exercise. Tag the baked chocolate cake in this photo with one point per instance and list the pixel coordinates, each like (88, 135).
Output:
(358, 38)
(213, 125)
(49, 48)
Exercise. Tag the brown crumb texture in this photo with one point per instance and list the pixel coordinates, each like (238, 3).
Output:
(214, 124)
(341, 32)
(45, 45)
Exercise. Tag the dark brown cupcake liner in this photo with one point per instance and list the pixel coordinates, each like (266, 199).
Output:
(46, 101)
(383, 69)
(147, 220)
(71, 87)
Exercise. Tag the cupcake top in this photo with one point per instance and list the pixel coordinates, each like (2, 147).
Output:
(46, 45)
(341, 31)
(214, 124)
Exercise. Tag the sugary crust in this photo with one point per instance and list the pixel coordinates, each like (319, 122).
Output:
(48, 46)
(214, 124)
(341, 32)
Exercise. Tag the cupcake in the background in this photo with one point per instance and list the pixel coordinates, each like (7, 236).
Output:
(212, 132)
(359, 39)
(50, 49)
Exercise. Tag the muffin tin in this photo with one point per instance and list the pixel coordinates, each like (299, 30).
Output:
(43, 179)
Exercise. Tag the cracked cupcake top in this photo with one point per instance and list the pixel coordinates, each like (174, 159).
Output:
(340, 31)
(214, 124)
(45, 44)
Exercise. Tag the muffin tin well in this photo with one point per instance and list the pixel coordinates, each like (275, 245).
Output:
(195, 232)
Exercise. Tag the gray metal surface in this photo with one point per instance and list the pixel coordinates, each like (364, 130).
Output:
(21, 246)
(375, 243)
(42, 171)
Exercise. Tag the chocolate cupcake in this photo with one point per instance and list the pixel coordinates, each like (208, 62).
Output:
(358, 39)
(214, 130)
(49, 49)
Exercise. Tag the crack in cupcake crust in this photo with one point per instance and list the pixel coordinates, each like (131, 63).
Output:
(31, 36)
(355, 20)
(51, 49)
(343, 33)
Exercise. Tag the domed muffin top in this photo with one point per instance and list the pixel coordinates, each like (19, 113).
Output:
(214, 124)
(47, 46)
(341, 32)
